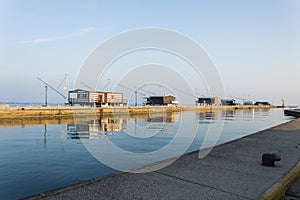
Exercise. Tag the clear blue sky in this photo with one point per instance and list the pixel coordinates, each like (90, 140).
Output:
(254, 43)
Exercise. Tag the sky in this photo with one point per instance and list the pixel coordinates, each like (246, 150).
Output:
(254, 44)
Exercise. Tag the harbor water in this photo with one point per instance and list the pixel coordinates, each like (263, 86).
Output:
(40, 157)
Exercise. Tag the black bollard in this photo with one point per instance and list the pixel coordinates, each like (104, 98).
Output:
(269, 159)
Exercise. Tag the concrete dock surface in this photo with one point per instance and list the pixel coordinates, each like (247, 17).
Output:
(230, 171)
(293, 193)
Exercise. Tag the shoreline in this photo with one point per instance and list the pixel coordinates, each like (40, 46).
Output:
(232, 170)
(54, 112)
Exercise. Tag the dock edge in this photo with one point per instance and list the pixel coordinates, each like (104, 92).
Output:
(280, 187)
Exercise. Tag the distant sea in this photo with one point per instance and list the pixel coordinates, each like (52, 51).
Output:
(12, 104)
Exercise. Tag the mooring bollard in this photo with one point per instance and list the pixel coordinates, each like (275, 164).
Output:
(270, 159)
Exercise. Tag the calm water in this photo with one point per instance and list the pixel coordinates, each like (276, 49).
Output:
(36, 157)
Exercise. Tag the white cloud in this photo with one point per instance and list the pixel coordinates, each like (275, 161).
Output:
(88, 29)
(42, 40)
(56, 38)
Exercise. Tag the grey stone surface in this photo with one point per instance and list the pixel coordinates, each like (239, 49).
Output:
(294, 190)
(145, 186)
(230, 171)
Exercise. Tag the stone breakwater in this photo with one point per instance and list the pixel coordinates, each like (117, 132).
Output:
(61, 112)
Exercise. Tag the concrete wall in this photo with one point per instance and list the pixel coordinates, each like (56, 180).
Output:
(66, 111)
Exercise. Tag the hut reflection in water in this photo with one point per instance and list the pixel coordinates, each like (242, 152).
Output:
(105, 127)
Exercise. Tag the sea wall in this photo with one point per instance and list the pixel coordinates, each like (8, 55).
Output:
(61, 112)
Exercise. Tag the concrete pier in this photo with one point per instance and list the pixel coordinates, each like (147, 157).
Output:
(53, 112)
(293, 112)
(230, 171)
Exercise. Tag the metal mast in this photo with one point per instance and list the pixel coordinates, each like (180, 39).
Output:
(46, 89)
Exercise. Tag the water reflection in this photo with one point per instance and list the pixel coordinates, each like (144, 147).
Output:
(95, 129)
(229, 115)
(45, 135)
(151, 124)
(210, 117)
(118, 123)
(106, 127)
(207, 117)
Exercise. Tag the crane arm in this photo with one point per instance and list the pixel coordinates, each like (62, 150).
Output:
(106, 85)
(63, 81)
(187, 93)
(123, 86)
(147, 91)
(52, 88)
(86, 85)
